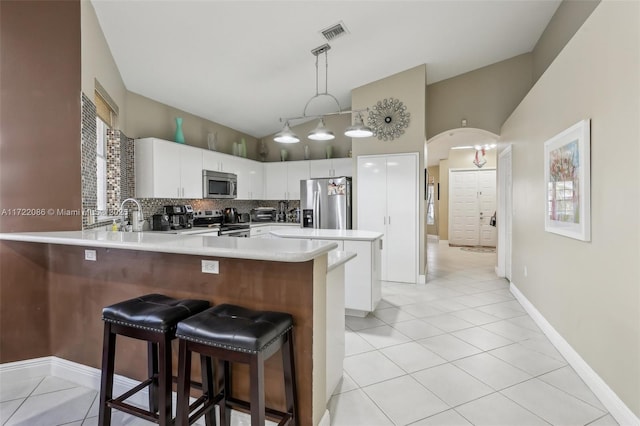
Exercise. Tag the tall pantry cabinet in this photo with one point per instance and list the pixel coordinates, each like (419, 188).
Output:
(388, 203)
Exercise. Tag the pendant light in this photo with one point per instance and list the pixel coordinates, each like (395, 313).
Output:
(286, 135)
(358, 129)
(321, 133)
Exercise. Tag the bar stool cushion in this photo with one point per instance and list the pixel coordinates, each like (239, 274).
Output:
(154, 312)
(235, 328)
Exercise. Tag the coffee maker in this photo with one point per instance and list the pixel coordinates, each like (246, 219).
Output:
(179, 216)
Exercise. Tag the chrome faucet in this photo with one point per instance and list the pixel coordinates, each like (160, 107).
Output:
(135, 221)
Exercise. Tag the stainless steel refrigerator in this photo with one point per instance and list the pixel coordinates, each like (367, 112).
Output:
(325, 203)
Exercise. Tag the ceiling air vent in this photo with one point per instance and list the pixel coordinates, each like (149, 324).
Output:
(335, 31)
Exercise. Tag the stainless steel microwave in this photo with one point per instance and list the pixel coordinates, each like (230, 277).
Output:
(219, 184)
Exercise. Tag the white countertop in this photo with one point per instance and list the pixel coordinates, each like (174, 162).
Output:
(337, 258)
(238, 248)
(327, 234)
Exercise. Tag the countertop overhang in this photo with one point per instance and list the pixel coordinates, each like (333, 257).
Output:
(278, 250)
(324, 234)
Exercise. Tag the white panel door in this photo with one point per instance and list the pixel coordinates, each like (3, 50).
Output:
(472, 202)
(464, 212)
(372, 194)
(487, 206)
(402, 214)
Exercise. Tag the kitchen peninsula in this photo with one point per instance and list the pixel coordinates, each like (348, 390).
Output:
(73, 274)
(362, 276)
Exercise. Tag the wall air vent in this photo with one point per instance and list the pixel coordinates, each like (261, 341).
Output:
(335, 31)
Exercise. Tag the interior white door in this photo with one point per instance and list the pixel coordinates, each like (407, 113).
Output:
(463, 209)
(487, 206)
(402, 223)
(472, 202)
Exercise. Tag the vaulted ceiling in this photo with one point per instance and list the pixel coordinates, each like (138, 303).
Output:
(246, 64)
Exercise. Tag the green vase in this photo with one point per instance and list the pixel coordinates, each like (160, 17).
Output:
(179, 135)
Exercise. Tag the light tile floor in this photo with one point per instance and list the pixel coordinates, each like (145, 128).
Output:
(457, 351)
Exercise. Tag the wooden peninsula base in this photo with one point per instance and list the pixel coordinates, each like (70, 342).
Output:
(52, 300)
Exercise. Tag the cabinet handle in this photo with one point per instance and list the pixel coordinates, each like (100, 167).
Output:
(389, 220)
(178, 192)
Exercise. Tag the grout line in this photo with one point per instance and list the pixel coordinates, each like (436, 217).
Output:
(25, 400)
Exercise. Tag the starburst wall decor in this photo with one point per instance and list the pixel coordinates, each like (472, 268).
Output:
(388, 118)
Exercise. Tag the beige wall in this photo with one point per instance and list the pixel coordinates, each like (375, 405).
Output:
(409, 87)
(341, 145)
(458, 159)
(484, 97)
(569, 16)
(97, 63)
(588, 291)
(148, 118)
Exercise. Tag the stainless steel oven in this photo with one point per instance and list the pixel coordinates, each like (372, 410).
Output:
(219, 184)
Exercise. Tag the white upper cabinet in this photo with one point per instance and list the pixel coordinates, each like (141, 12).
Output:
(167, 169)
(282, 180)
(331, 167)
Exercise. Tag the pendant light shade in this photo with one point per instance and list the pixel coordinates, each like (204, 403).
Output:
(286, 135)
(321, 133)
(358, 129)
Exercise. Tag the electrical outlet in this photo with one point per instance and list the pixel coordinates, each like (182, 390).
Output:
(525, 272)
(90, 255)
(210, 267)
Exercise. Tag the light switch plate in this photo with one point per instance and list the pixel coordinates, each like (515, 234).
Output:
(210, 267)
(90, 255)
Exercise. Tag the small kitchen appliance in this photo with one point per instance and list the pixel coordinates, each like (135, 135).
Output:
(231, 215)
(283, 206)
(179, 216)
(263, 214)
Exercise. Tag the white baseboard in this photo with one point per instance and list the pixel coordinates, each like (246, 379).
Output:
(617, 408)
(80, 374)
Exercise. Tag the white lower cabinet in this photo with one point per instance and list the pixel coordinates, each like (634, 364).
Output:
(362, 277)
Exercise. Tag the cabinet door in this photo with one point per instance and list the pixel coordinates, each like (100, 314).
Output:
(242, 169)
(275, 181)
(256, 177)
(358, 277)
(402, 218)
(191, 172)
(320, 168)
(296, 171)
(342, 167)
(166, 169)
(212, 160)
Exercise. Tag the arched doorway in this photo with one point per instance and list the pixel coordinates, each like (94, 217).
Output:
(453, 149)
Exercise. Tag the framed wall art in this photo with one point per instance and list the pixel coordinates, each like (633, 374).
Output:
(567, 175)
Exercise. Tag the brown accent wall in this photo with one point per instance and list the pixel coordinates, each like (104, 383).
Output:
(39, 114)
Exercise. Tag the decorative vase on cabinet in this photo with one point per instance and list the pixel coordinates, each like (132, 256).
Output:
(179, 135)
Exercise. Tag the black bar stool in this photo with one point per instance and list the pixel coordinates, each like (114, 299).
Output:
(234, 334)
(152, 318)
